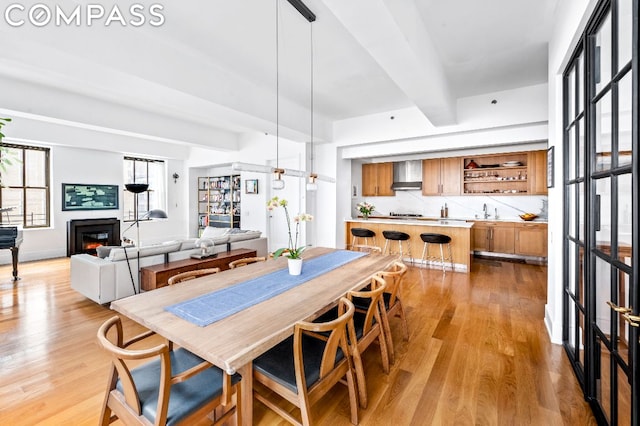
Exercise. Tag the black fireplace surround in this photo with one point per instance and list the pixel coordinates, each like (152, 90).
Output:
(84, 235)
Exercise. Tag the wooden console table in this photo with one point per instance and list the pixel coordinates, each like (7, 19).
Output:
(156, 276)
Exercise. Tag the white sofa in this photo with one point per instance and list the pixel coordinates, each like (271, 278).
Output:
(105, 279)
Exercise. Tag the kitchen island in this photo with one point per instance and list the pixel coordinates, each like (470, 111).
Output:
(458, 230)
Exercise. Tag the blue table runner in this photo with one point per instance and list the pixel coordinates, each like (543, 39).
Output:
(209, 308)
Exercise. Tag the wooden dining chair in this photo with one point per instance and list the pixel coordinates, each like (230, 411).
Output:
(246, 261)
(173, 387)
(392, 299)
(367, 325)
(189, 275)
(307, 365)
(367, 321)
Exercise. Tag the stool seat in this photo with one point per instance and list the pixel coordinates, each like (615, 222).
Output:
(362, 232)
(395, 235)
(399, 237)
(359, 234)
(440, 240)
(435, 238)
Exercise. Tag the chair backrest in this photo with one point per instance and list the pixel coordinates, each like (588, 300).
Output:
(116, 346)
(189, 275)
(139, 393)
(337, 329)
(246, 261)
(394, 277)
(374, 290)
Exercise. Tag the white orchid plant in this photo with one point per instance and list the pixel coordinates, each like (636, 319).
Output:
(293, 251)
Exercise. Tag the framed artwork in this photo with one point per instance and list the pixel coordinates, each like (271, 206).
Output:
(251, 186)
(89, 197)
(550, 163)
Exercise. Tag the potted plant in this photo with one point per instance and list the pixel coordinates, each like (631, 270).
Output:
(293, 251)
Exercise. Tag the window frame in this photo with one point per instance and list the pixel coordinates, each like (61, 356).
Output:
(144, 198)
(24, 187)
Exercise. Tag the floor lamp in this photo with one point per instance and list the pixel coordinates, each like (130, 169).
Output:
(137, 188)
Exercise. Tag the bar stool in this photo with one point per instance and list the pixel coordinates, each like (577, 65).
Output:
(365, 233)
(441, 240)
(399, 237)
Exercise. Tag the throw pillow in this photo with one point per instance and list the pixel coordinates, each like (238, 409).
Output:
(104, 251)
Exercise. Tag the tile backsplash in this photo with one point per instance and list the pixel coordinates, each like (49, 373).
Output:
(463, 207)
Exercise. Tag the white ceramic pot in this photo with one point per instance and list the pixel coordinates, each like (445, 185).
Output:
(295, 266)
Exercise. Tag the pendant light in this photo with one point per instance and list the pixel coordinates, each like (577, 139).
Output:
(277, 183)
(311, 184)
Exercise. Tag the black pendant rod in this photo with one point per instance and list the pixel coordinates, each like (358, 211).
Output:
(303, 9)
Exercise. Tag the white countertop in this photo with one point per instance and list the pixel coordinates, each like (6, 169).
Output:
(433, 221)
(453, 223)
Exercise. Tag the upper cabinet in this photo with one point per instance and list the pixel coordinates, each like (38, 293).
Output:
(441, 176)
(519, 173)
(377, 179)
(538, 172)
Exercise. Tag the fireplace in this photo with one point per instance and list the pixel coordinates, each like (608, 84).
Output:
(86, 235)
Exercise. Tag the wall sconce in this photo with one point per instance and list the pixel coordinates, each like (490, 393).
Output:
(175, 177)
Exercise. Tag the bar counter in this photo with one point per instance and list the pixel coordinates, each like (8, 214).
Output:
(458, 230)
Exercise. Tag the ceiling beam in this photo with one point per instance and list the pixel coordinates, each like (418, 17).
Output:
(393, 34)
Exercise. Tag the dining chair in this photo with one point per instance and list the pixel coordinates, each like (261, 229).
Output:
(367, 321)
(367, 324)
(307, 365)
(392, 299)
(173, 387)
(189, 275)
(246, 261)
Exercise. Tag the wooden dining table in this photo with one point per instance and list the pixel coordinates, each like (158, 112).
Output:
(234, 342)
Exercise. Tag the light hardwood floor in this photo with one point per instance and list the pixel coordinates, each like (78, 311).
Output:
(478, 354)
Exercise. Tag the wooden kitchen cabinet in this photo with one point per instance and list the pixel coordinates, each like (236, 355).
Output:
(480, 237)
(497, 237)
(538, 172)
(377, 179)
(531, 239)
(442, 176)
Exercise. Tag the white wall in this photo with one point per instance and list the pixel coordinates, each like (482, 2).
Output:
(571, 18)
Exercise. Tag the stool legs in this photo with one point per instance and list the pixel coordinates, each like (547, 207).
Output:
(387, 249)
(427, 259)
(355, 241)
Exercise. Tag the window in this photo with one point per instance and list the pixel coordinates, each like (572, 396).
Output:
(142, 170)
(25, 186)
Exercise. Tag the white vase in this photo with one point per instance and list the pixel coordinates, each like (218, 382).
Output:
(295, 266)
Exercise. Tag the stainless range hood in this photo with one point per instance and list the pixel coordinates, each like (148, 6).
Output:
(407, 175)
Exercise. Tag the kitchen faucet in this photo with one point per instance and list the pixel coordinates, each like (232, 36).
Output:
(484, 209)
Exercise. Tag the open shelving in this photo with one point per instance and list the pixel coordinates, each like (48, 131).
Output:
(219, 202)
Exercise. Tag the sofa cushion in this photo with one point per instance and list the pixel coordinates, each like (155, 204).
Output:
(152, 250)
(215, 235)
(242, 234)
(188, 244)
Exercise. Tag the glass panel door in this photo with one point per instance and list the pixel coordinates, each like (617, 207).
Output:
(601, 208)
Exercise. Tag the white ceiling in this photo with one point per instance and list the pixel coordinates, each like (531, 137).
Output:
(212, 65)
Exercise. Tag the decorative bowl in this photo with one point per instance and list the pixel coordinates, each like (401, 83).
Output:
(528, 216)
